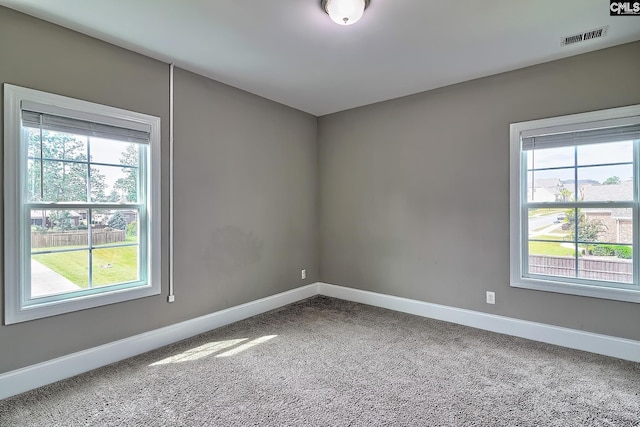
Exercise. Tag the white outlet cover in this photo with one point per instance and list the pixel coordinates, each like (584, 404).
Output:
(491, 297)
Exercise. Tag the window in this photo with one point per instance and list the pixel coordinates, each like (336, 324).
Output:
(82, 204)
(575, 204)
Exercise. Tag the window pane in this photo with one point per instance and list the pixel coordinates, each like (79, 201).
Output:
(550, 185)
(113, 266)
(115, 227)
(107, 229)
(114, 152)
(605, 225)
(606, 183)
(58, 229)
(56, 145)
(548, 224)
(33, 180)
(59, 272)
(64, 181)
(33, 143)
(552, 259)
(131, 217)
(551, 157)
(107, 236)
(597, 154)
(114, 184)
(604, 251)
(60, 146)
(561, 230)
(608, 268)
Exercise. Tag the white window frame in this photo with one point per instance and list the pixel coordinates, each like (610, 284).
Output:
(518, 197)
(18, 306)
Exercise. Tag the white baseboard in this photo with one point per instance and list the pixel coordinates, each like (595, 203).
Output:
(30, 377)
(565, 337)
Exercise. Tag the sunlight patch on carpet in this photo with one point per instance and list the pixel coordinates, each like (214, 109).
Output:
(199, 352)
(246, 346)
(214, 347)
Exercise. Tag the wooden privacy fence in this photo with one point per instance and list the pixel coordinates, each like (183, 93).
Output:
(614, 270)
(75, 238)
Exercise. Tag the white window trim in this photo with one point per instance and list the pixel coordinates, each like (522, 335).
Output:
(517, 277)
(14, 309)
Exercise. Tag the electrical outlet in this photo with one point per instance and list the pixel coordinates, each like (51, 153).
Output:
(491, 297)
(303, 274)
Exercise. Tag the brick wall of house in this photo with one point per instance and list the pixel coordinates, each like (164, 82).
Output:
(626, 231)
(617, 230)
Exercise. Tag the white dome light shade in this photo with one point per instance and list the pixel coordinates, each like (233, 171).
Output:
(345, 12)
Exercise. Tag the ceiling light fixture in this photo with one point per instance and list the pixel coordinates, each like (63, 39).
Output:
(345, 12)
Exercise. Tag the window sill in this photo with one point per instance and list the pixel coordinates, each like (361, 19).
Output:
(82, 302)
(616, 294)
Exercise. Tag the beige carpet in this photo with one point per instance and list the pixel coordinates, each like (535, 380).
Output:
(329, 362)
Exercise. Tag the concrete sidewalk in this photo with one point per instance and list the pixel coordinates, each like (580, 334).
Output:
(45, 281)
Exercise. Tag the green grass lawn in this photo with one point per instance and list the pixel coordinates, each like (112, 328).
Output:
(128, 239)
(110, 265)
(546, 211)
(550, 248)
(545, 248)
(560, 237)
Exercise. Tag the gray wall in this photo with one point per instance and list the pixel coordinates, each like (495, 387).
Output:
(414, 192)
(245, 201)
(245, 182)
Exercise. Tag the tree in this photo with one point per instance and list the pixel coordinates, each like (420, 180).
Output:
(565, 194)
(114, 196)
(117, 221)
(132, 229)
(128, 186)
(98, 186)
(589, 230)
(57, 170)
(611, 180)
(61, 220)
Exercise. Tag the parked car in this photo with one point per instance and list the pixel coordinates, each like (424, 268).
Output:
(561, 217)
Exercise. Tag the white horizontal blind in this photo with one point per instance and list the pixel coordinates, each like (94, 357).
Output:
(58, 119)
(592, 136)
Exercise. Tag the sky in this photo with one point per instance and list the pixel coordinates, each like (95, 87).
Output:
(591, 154)
(108, 151)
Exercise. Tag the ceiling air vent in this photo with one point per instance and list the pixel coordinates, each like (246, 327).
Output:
(587, 35)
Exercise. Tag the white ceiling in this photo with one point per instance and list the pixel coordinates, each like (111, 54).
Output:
(291, 52)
